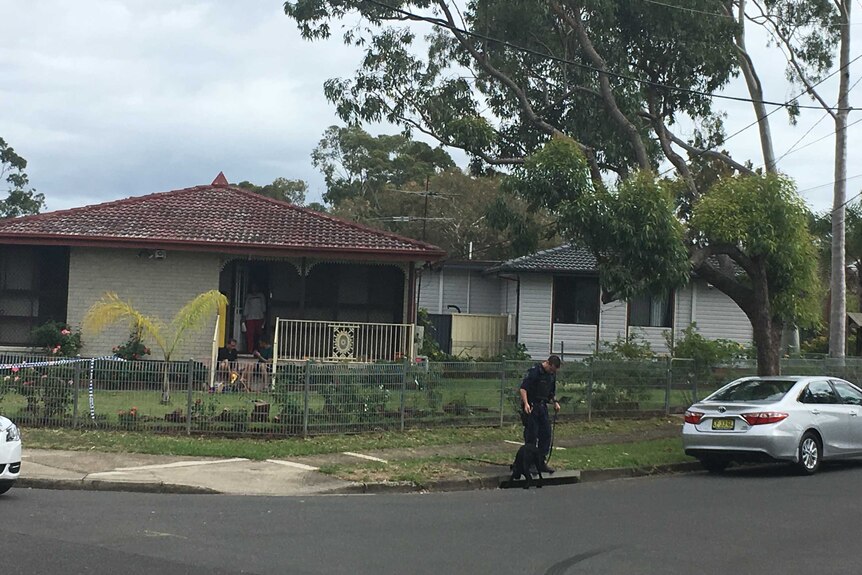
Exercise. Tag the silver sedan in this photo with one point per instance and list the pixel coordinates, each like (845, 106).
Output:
(799, 419)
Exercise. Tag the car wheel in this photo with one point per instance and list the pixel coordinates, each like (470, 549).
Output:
(810, 453)
(714, 464)
(5, 486)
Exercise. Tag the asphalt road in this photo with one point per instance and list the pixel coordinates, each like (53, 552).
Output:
(763, 520)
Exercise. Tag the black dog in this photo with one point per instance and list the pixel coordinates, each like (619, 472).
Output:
(528, 457)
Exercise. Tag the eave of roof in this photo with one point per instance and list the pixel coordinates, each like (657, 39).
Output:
(561, 259)
(216, 218)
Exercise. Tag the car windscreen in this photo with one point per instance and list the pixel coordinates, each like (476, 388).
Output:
(754, 390)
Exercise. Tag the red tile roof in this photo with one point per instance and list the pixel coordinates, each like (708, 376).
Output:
(216, 217)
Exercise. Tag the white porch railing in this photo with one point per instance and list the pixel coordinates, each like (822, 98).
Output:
(343, 340)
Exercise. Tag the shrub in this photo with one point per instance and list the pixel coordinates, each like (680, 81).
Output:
(623, 373)
(56, 392)
(128, 419)
(134, 349)
(48, 391)
(705, 352)
(57, 339)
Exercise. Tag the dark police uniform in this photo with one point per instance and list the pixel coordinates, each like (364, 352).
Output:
(541, 388)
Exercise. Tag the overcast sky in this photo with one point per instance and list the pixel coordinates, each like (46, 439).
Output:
(108, 99)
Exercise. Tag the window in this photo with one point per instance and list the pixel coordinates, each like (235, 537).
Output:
(650, 310)
(754, 390)
(34, 285)
(576, 300)
(849, 394)
(819, 392)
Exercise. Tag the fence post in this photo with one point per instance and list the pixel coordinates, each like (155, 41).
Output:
(590, 393)
(668, 387)
(693, 383)
(76, 394)
(404, 366)
(191, 380)
(305, 397)
(502, 389)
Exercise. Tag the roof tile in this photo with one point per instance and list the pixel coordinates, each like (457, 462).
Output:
(211, 217)
(565, 258)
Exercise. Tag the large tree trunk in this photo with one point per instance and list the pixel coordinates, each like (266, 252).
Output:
(767, 341)
(838, 310)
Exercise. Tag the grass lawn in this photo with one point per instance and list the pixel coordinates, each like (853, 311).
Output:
(618, 449)
(422, 470)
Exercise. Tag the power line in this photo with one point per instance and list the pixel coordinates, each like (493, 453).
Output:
(692, 10)
(823, 117)
(445, 24)
(765, 116)
(721, 15)
(820, 139)
(846, 179)
(778, 105)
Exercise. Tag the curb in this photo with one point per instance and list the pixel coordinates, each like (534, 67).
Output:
(626, 472)
(99, 485)
(567, 477)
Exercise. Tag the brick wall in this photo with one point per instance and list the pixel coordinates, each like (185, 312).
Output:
(155, 287)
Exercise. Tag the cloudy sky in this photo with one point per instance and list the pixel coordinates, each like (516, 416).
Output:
(108, 99)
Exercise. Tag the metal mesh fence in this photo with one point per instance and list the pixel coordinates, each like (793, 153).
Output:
(314, 398)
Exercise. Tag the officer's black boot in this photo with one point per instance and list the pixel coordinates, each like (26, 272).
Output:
(546, 469)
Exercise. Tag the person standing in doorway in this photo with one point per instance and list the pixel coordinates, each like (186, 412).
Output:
(253, 316)
(538, 389)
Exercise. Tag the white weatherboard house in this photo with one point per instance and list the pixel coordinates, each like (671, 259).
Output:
(553, 302)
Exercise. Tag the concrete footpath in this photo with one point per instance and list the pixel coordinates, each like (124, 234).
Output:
(91, 470)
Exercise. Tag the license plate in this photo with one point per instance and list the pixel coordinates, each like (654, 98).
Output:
(725, 423)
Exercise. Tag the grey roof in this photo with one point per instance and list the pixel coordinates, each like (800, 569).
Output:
(565, 258)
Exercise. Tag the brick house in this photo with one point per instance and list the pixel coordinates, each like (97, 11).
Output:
(160, 250)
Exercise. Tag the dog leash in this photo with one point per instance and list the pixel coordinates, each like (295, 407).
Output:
(553, 433)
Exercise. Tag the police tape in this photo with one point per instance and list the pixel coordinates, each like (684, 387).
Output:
(92, 360)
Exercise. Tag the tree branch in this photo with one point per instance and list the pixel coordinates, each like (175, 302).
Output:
(709, 153)
(484, 62)
(661, 130)
(775, 32)
(738, 292)
(619, 117)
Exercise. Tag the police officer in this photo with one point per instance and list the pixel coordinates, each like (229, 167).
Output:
(537, 390)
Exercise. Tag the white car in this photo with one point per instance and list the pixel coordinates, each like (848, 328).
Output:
(10, 454)
(801, 420)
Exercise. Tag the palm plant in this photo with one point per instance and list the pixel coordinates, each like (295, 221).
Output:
(167, 337)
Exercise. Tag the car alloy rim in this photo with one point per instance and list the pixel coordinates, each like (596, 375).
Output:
(809, 453)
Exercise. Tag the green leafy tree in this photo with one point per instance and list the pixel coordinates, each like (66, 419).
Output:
(748, 236)
(357, 165)
(20, 201)
(193, 316)
(284, 189)
(407, 187)
(581, 98)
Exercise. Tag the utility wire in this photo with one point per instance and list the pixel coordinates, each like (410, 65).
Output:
(691, 10)
(779, 105)
(757, 121)
(445, 24)
(793, 148)
(720, 15)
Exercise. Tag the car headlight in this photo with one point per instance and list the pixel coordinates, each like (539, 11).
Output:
(12, 433)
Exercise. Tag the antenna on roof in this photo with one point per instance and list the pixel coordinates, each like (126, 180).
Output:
(220, 180)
